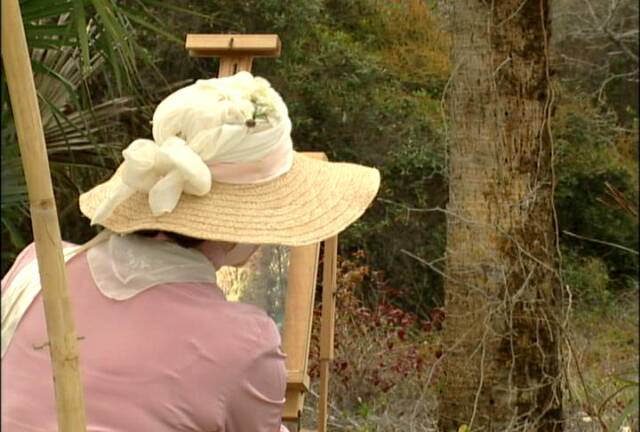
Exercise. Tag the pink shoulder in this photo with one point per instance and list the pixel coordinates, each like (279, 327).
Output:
(24, 257)
(269, 335)
(270, 332)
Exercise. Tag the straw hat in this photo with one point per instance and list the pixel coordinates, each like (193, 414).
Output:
(222, 167)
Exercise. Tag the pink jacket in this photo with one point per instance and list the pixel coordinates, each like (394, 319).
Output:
(177, 357)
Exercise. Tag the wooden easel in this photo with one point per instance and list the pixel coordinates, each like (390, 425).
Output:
(236, 53)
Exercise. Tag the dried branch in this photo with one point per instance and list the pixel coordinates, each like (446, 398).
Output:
(615, 245)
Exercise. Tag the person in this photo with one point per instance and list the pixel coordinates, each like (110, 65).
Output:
(160, 348)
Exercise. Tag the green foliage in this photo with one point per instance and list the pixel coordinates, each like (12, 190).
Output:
(587, 278)
(592, 151)
(84, 60)
(363, 81)
(349, 97)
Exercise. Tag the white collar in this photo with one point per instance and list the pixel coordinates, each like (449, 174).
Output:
(124, 266)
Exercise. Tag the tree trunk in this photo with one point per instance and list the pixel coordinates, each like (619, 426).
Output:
(502, 362)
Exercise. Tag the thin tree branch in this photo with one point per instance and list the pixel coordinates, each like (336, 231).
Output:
(615, 245)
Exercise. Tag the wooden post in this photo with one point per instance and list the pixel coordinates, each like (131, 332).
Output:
(327, 326)
(298, 321)
(44, 218)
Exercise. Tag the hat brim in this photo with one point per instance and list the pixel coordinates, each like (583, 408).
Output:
(313, 201)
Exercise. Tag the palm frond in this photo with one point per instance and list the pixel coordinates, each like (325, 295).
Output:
(85, 59)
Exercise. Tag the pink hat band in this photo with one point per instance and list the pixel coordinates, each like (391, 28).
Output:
(270, 166)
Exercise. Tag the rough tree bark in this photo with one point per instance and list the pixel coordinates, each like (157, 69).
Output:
(502, 365)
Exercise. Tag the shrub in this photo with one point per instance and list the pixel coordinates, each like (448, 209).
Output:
(593, 152)
(587, 278)
(376, 348)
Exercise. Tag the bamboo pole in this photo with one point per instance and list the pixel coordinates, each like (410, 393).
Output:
(44, 218)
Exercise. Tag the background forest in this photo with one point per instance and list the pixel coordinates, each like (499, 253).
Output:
(365, 81)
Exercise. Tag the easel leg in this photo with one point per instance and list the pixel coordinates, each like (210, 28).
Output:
(327, 326)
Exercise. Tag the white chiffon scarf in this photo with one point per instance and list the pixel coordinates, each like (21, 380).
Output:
(236, 121)
(125, 266)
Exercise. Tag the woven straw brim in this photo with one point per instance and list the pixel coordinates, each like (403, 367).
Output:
(313, 201)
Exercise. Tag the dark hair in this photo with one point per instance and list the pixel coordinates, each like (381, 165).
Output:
(182, 240)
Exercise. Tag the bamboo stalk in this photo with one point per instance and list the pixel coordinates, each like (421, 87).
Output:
(44, 218)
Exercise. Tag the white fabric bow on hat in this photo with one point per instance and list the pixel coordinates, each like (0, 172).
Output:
(231, 120)
(164, 171)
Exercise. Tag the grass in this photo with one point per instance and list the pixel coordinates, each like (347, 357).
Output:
(604, 339)
(605, 343)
